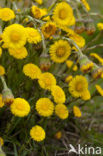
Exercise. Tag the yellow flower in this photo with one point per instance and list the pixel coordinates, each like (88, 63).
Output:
(39, 1)
(47, 80)
(69, 63)
(20, 53)
(0, 51)
(79, 40)
(63, 14)
(1, 141)
(45, 107)
(86, 95)
(37, 12)
(86, 5)
(1, 101)
(20, 107)
(99, 89)
(58, 94)
(2, 70)
(6, 14)
(60, 51)
(48, 29)
(100, 59)
(33, 35)
(61, 111)
(75, 68)
(77, 112)
(58, 135)
(68, 78)
(78, 85)
(14, 36)
(100, 26)
(37, 133)
(32, 71)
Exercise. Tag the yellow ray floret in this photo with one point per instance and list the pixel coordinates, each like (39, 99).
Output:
(77, 112)
(47, 80)
(0, 51)
(37, 133)
(61, 111)
(32, 71)
(14, 36)
(2, 70)
(20, 53)
(63, 14)
(6, 14)
(45, 107)
(60, 51)
(58, 94)
(20, 107)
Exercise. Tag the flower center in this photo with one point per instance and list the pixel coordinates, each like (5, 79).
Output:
(37, 13)
(47, 82)
(62, 14)
(79, 87)
(44, 107)
(20, 107)
(49, 29)
(60, 51)
(15, 36)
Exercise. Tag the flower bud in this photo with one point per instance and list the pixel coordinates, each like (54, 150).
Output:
(58, 135)
(45, 63)
(79, 27)
(85, 64)
(97, 72)
(90, 28)
(8, 97)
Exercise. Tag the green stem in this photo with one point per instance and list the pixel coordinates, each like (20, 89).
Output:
(3, 82)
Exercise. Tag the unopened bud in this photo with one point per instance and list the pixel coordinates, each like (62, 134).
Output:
(8, 97)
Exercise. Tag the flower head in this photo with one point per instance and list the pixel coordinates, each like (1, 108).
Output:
(37, 12)
(48, 29)
(61, 111)
(47, 80)
(45, 107)
(77, 112)
(78, 85)
(1, 101)
(97, 72)
(32, 71)
(33, 35)
(2, 70)
(6, 14)
(99, 89)
(0, 51)
(20, 53)
(58, 135)
(58, 94)
(60, 51)
(1, 141)
(100, 26)
(39, 1)
(69, 63)
(63, 14)
(68, 78)
(37, 133)
(7, 96)
(14, 36)
(20, 107)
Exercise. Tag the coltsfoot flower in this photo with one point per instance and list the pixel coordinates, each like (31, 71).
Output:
(63, 14)
(20, 107)
(47, 80)
(2, 70)
(20, 53)
(78, 85)
(58, 135)
(45, 107)
(58, 94)
(1, 141)
(32, 71)
(68, 78)
(37, 133)
(99, 89)
(33, 35)
(60, 51)
(37, 12)
(1, 101)
(61, 111)
(48, 29)
(7, 96)
(6, 14)
(77, 112)
(100, 26)
(0, 51)
(14, 36)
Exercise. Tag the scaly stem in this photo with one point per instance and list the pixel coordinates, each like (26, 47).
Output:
(3, 82)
